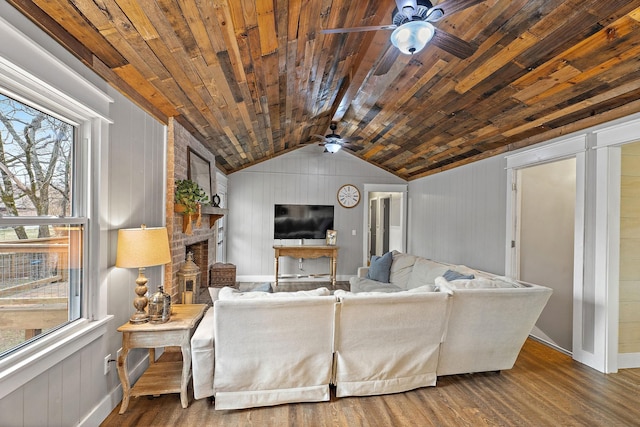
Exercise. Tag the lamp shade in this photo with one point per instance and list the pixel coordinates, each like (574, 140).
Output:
(332, 147)
(412, 37)
(142, 247)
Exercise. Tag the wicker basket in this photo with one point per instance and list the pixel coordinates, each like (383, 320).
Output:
(223, 275)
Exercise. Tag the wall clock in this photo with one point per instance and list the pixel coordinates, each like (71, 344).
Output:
(348, 196)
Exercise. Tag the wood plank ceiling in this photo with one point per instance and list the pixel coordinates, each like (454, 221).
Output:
(253, 79)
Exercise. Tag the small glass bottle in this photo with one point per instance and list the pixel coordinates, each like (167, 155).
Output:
(160, 307)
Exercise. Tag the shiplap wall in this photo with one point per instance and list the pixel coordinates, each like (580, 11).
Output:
(75, 391)
(459, 216)
(629, 328)
(304, 176)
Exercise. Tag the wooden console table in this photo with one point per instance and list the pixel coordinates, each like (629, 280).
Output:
(163, 377)
(308, 252)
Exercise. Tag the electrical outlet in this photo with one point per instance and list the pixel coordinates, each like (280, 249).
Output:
(107, 366)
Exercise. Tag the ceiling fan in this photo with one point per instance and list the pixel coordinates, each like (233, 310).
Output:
(413, 29)
(333, 142)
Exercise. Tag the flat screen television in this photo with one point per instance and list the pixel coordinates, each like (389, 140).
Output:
(302, 221)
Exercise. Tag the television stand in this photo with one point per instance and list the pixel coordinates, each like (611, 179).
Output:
(308, 252)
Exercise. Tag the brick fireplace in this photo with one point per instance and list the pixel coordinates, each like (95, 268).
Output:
(203, 240)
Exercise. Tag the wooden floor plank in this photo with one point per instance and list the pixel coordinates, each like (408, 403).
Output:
(545, 387)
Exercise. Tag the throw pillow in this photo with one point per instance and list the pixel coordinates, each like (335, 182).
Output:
(380, 267)
(454, 275)
(262, 287)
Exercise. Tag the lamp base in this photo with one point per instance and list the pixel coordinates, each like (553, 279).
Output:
(138, 318)
(140, 301)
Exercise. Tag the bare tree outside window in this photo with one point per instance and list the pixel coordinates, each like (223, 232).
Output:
(41, 260)
(35, 163)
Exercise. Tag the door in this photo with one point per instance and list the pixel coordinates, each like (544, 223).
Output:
(384, 221)
(373, 226)
(544, 243)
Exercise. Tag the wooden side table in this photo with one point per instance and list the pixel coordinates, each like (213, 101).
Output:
(165, 377)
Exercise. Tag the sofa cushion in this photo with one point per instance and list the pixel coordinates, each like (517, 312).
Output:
(479, 283)
(401, 269)
(425, 272)
(386, 290)
(228, 293)
(358, 284)
(380, 267)
(454, 275)
(213, 293)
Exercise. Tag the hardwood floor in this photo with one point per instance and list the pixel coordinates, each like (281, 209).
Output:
(545, 388)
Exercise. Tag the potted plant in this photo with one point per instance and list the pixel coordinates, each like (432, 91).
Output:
(189, 197)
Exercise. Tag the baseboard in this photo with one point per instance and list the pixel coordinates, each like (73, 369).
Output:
(628, 360)
(101, 411)
(552, 345)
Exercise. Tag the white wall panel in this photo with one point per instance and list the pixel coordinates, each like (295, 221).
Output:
(132, 192)
(304, 176)
(458, 216)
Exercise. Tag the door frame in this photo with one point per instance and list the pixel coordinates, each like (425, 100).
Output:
(384, 188)
(563, 149)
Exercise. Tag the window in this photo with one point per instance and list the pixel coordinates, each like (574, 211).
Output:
(41, 227)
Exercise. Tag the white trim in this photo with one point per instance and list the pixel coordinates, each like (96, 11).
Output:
(561, 148)
(579, 254)
(628, 360)
(23, 365)
(607, 247)
(557, 149)
(618, 134)
(23, 53)
(383, 188)
(100, 412)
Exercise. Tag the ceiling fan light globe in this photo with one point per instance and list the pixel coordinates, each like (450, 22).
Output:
(332, 147)
(412, 37)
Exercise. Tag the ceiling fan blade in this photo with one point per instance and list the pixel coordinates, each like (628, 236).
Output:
(352, 147)
(358, 29)
(452, 6)
(351, 139)
(389, 58)
(452, 44)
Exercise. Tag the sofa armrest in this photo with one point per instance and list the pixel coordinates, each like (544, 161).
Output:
(202, 357)
(362, 272)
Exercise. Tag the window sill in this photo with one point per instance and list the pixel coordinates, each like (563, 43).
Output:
(22, 366)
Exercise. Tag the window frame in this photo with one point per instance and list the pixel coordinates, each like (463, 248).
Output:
(32, 74)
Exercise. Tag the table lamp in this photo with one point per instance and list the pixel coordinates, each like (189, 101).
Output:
(139, 248)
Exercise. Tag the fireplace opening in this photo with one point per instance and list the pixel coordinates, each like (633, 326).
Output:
(200, 251)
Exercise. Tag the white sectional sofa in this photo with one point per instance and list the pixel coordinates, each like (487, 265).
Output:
(259, 349)
(490, 316)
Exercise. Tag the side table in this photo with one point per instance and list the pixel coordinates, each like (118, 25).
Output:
(164, 377)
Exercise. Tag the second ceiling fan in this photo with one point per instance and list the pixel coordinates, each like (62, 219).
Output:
(413, 29)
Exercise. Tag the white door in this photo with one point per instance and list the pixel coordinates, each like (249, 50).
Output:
(544, 243)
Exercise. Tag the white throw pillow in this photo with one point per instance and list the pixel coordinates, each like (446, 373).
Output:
(227, 293)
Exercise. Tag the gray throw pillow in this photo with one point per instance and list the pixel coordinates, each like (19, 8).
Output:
(450, 275)
(380, 267)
